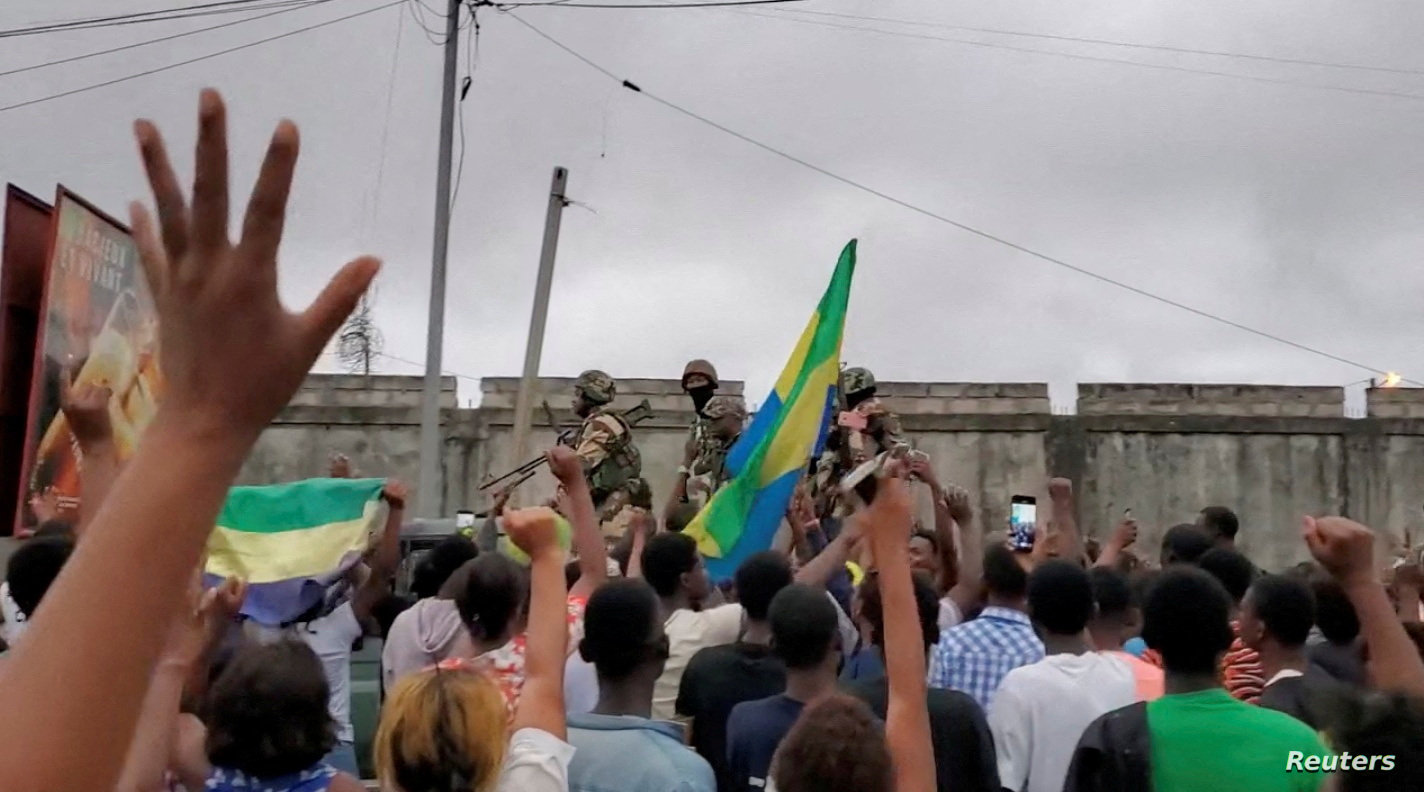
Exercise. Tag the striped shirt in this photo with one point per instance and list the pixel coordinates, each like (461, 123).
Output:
(974, 657)
(1241, 670)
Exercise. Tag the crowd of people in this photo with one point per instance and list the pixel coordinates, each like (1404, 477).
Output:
(871, 653)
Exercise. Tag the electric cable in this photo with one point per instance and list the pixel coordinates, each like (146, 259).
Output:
(189, 61)
(628, 84)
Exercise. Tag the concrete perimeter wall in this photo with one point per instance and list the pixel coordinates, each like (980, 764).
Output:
(1162, 450)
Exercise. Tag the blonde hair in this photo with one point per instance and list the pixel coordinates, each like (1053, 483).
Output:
(442, 730)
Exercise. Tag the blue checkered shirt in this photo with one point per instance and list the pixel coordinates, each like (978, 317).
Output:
(974, 657)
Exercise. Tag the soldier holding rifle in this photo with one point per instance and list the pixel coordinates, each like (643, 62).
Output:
(604, 442)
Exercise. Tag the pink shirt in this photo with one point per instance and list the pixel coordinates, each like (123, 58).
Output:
(1151, 682)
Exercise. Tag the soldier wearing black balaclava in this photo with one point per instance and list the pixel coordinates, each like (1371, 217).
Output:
(699, 382)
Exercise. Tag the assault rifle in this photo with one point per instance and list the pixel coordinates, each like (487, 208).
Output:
(566, 436)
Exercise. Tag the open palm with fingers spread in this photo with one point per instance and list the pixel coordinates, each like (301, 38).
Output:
(232, 354)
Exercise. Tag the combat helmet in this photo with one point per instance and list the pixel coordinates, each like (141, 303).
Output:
(702, 367)
(721, 406)
(597, 387)
(857, 380)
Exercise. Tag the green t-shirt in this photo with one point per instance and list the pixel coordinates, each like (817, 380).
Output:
(1210, 741)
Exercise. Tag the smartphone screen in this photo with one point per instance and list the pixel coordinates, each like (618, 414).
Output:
(1023, 515)
(464, 519)
(852, 420)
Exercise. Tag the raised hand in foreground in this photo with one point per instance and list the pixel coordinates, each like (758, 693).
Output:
(577, 506)
(231, 354)
(907, 722)
(232, 357)
(1346, 549)
(541, 706)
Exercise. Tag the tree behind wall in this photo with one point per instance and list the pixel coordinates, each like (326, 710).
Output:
(359, 341)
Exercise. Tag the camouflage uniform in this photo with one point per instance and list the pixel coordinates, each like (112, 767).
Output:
(697, 434)
(709, 469)
(882, 432)
(604, 443)
(618, 511)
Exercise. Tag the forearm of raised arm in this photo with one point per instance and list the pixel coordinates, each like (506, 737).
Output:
(147, 758)
(820, 568)
(587, 540)
(1393, 657)
(541, 705)
(907, 726)
(1065, 524)
(97, 472)
(164, 501)
(944, 530)
(387, 556)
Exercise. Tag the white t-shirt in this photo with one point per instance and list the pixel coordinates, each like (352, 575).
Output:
(1040, 711)
(688, 632)
(331, 637)
(949, 614)
(537, 761)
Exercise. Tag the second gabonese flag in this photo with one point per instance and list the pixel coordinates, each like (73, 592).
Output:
(767, 461)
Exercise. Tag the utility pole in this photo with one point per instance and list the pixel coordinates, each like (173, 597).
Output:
(431, 482)
(534, 347)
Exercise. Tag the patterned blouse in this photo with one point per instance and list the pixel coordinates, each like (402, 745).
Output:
(316, 778)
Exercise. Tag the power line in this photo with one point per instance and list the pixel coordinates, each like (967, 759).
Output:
(1126, 44)
(472, 58)
(422, 365)
(62, 24)
(198, 59)
(386, 127)
(159, 40)
(706, 4)
(1097, 59)
(934, 216)
(435, 37)
(189, 12)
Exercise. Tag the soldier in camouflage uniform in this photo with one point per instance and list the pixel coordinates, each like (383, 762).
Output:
(699, 381)
(604, 443)
(696, 483)
(849, 446)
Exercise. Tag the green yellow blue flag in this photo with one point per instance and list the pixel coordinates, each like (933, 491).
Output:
(290, 542)
(789, 429)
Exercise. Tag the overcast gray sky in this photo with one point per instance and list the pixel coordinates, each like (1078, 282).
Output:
(1296, 210)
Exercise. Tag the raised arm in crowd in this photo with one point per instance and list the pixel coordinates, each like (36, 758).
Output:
(233, 356)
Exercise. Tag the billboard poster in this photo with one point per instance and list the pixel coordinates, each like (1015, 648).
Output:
(23, 256)
(98, 326)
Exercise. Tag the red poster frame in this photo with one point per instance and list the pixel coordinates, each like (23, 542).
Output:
(24, 271)
(37, 382)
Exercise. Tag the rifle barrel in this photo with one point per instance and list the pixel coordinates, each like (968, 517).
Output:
(526, 470)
